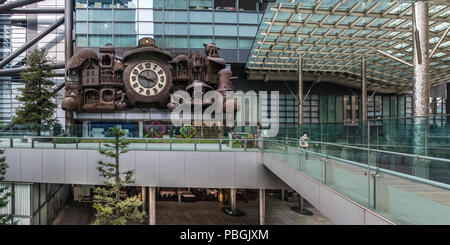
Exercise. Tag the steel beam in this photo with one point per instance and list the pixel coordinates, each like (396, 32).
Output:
(34, 11)
(440, 42)
(364, 89)
(17, 71)
(300, 89)
(27, 45)
(394, 58)
(17, 3)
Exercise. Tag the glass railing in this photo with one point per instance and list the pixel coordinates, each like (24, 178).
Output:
(402, 196)
(428, 136)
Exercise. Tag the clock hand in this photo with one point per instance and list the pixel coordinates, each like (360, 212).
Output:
(147, 78)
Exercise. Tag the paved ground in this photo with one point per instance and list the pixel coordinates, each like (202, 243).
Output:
(204, 213)
(75, 213)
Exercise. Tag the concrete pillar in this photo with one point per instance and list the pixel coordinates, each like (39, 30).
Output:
(300, 89)
(233, 200)
(141, 129)
(282, 194)
(144, 197)
(262, 206)
(152, 206)
(421, 81)
(421, 61)
(364, 89)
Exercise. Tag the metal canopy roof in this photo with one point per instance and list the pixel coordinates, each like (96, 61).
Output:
(333, 35)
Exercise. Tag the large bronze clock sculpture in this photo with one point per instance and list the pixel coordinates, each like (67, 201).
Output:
(148, 80)
(143, 78)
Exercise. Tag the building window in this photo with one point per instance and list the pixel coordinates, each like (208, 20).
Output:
(351, 110)
(248, 5)
(199, 4)
(311, 109)
(227, 5)
(81, 4)
(100, 4)
(125, 3)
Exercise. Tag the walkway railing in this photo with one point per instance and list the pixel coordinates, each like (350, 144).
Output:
(138, 144)
(404, 188)
(399, 197)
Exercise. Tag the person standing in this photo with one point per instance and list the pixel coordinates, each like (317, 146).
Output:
(304, 143)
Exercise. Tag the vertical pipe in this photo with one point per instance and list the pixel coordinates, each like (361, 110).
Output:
(421, 80)
(68, 28)
(447, 106)
(364, 89)
(152, 205)
(233, 200)
(262, 206)
(300, 90)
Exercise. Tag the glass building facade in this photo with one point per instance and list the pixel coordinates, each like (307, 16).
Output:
(15, 31)
(183, 26)
(5, 82)
(174, 24)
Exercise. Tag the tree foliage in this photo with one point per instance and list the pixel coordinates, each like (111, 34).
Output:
(4, 193)
(112, 205)
(37, 95)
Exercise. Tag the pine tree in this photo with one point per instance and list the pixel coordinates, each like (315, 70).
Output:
(4, 194)
(112, 205)
(38, 109)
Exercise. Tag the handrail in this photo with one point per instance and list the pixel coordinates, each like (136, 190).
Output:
(386, 152)
(405, 176)
(375, 150)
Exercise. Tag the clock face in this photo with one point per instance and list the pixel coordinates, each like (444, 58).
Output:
(148, 78)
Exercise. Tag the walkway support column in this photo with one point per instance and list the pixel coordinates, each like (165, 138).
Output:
(301, 206)
(421, 82)
(233, 201)
(262, 206)
(144, 197)
(364, 89)
(300, 89)
(152, 206)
